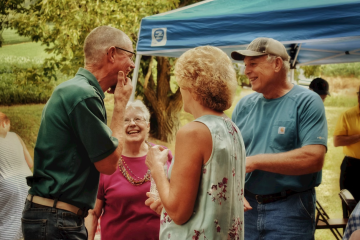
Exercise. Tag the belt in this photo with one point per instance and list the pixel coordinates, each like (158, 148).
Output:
(269, 198)
(47, 202)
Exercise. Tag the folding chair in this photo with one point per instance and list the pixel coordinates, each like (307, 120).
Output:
(323, 221)
(348, 199)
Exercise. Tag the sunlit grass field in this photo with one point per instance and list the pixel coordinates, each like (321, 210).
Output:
(11, 37)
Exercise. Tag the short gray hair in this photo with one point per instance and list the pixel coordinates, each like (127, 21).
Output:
(286, 64)
(139, 105)
(99, 40)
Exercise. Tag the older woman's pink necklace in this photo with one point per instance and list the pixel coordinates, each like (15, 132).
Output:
(123, 166)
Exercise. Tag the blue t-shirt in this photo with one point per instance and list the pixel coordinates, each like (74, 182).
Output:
(280, 125)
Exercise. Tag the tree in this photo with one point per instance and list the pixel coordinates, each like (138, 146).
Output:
(62, 26)
(5, 7)
(311, 71)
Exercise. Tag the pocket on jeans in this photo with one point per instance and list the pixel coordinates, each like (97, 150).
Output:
(34, 229)
(72, 226)
(307, 204)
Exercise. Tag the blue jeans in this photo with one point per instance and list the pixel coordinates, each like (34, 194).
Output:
(291, 218)
(50, 223)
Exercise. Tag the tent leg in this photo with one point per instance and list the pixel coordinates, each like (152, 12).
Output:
(135, 76)
(292, 75)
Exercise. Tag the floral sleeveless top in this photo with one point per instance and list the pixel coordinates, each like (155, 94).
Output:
(219, 207)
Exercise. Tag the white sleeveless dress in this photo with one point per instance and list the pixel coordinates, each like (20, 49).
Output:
(13, 187)
(219, 206)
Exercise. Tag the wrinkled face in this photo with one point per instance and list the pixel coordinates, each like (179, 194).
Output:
(123, 61)
(136, 127)
(260, 73)
(126, 63)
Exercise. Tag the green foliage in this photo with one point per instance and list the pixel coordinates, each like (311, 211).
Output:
(340, 101)
(10, 36)
(241, 78)
(6, 6)
(332, 70)
(311, 71)
(341, 70)
(71, 21)
(12, 93)
(22, 74)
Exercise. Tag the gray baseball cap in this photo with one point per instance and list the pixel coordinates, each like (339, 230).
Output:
(262, 46)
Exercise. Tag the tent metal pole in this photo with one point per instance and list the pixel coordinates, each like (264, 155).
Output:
(135, 76)
(292, 74)
(296, 55)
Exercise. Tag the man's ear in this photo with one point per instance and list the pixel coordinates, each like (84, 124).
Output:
(111, 54)
(278, 64)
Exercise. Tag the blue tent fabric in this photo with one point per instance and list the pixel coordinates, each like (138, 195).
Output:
(314, 31)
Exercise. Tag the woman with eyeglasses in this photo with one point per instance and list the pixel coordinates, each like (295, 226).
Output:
(121, 196)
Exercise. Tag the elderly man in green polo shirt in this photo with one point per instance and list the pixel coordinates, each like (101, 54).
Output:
(74, 142)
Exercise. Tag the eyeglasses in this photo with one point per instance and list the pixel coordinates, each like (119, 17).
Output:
(137, 121)
(133, 53)
(125, 50)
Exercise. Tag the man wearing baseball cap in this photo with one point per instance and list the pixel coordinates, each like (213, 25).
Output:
(321, 87)
(285, 134)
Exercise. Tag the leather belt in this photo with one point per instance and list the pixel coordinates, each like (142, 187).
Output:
(269, 198)
(47, 202)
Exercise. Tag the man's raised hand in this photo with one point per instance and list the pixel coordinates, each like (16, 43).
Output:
(123, 88)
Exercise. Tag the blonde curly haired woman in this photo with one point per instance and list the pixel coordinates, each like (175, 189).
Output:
(204, 198)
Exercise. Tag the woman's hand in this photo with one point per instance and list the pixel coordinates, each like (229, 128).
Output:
(247, 206)
(155, 205)
(156, 158)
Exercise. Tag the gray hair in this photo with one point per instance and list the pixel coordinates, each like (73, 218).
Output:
(99, 40)
(140, 106)
(285, 66)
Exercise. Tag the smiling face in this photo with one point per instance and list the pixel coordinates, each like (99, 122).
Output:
(125, 59)
(260, 72)
(122, 61)
(136, 127)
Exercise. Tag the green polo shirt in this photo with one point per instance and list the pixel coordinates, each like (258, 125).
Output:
(73, 135)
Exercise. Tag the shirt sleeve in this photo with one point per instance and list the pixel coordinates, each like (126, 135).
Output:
(89, 125)
(100, 194)
(341, 127)
(312, 122)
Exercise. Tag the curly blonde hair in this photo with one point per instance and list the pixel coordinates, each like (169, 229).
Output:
(207, 72)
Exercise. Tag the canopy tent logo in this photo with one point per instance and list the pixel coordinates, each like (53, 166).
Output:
(158, 37)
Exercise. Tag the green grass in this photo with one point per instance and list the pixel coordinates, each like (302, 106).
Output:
(30, 50)
(21, 58)
(340, 101)
(10, 36)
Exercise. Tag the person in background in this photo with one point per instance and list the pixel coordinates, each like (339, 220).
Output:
(204, 197)
(285, 133)
(321, 87)
(347, 135)
(74, 144)
(15, 165)
(352, 231)
(121, 196)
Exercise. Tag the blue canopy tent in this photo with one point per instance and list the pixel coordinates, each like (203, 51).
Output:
(313, 31)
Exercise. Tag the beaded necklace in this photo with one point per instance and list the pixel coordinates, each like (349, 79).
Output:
(138, 181)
